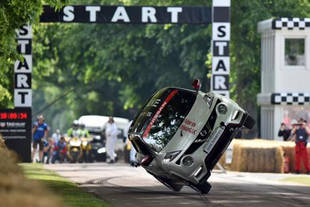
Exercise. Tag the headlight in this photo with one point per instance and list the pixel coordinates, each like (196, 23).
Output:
(75, 143)
(222, 108)
(84, 143)
(97, 137)
(101, 150)
(187, 161)
(171, 155)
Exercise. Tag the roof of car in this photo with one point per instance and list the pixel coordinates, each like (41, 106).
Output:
(100, 121)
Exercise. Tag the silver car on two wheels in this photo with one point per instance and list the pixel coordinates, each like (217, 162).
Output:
(180, 135)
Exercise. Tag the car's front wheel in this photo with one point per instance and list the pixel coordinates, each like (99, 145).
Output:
(202, 188)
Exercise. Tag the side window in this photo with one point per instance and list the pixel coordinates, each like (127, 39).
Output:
(294, 51)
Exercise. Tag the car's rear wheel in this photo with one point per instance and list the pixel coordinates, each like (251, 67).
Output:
(249, 122)
(169, 183)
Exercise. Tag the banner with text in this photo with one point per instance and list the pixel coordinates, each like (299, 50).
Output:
(128, 14)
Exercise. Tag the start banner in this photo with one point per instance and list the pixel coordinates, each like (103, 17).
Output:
(128, 14)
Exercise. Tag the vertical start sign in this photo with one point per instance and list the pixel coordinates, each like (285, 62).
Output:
(220, 47)
(23, 68)
(15, 124)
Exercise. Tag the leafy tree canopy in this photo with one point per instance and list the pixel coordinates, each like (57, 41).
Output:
(110, 69)
(14, 14)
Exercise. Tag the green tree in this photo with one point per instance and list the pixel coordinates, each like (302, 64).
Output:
(114, 68)
(13, 15)
(245, 44)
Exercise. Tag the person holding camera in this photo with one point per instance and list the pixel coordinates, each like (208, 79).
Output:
(284, 132)
(301, 132)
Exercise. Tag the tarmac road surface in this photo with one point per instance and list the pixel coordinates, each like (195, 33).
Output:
(125, 186)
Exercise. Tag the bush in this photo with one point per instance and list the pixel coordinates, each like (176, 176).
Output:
(16, 190)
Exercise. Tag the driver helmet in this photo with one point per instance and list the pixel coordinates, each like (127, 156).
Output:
(75, 123)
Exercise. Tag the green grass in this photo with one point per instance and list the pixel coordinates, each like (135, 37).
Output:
(71, 194)
(298, 179)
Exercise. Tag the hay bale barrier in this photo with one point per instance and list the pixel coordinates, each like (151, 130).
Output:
(257, 156)
(16, 190)
(260, 155)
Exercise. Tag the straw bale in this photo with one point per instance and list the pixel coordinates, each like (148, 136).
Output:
(260, 160)
(260, 155)
(222, 161)
(269, 159)
(289, 151)
(235, 164)
(279, 167)
(243, 159)
(257, 156)
(253, 160)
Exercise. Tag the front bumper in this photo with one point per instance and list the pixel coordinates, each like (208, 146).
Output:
(206, 156)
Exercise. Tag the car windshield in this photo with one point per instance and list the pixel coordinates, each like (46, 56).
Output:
(160, 118)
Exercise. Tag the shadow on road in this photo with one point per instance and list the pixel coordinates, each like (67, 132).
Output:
(123, 186)
(222, 194)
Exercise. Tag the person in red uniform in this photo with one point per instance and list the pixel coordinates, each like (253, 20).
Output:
(301, 133)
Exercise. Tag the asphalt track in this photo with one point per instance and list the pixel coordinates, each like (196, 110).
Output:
(125, 186)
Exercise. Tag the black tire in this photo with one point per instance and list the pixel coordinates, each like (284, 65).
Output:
(202, 188)
(90, 158)
(249, 122)
(75, 156)
(101, 157)
(86, 156)
(83, 158)
(169, 183)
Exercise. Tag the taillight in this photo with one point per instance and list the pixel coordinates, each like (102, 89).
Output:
(196, 84)
(146, 160)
